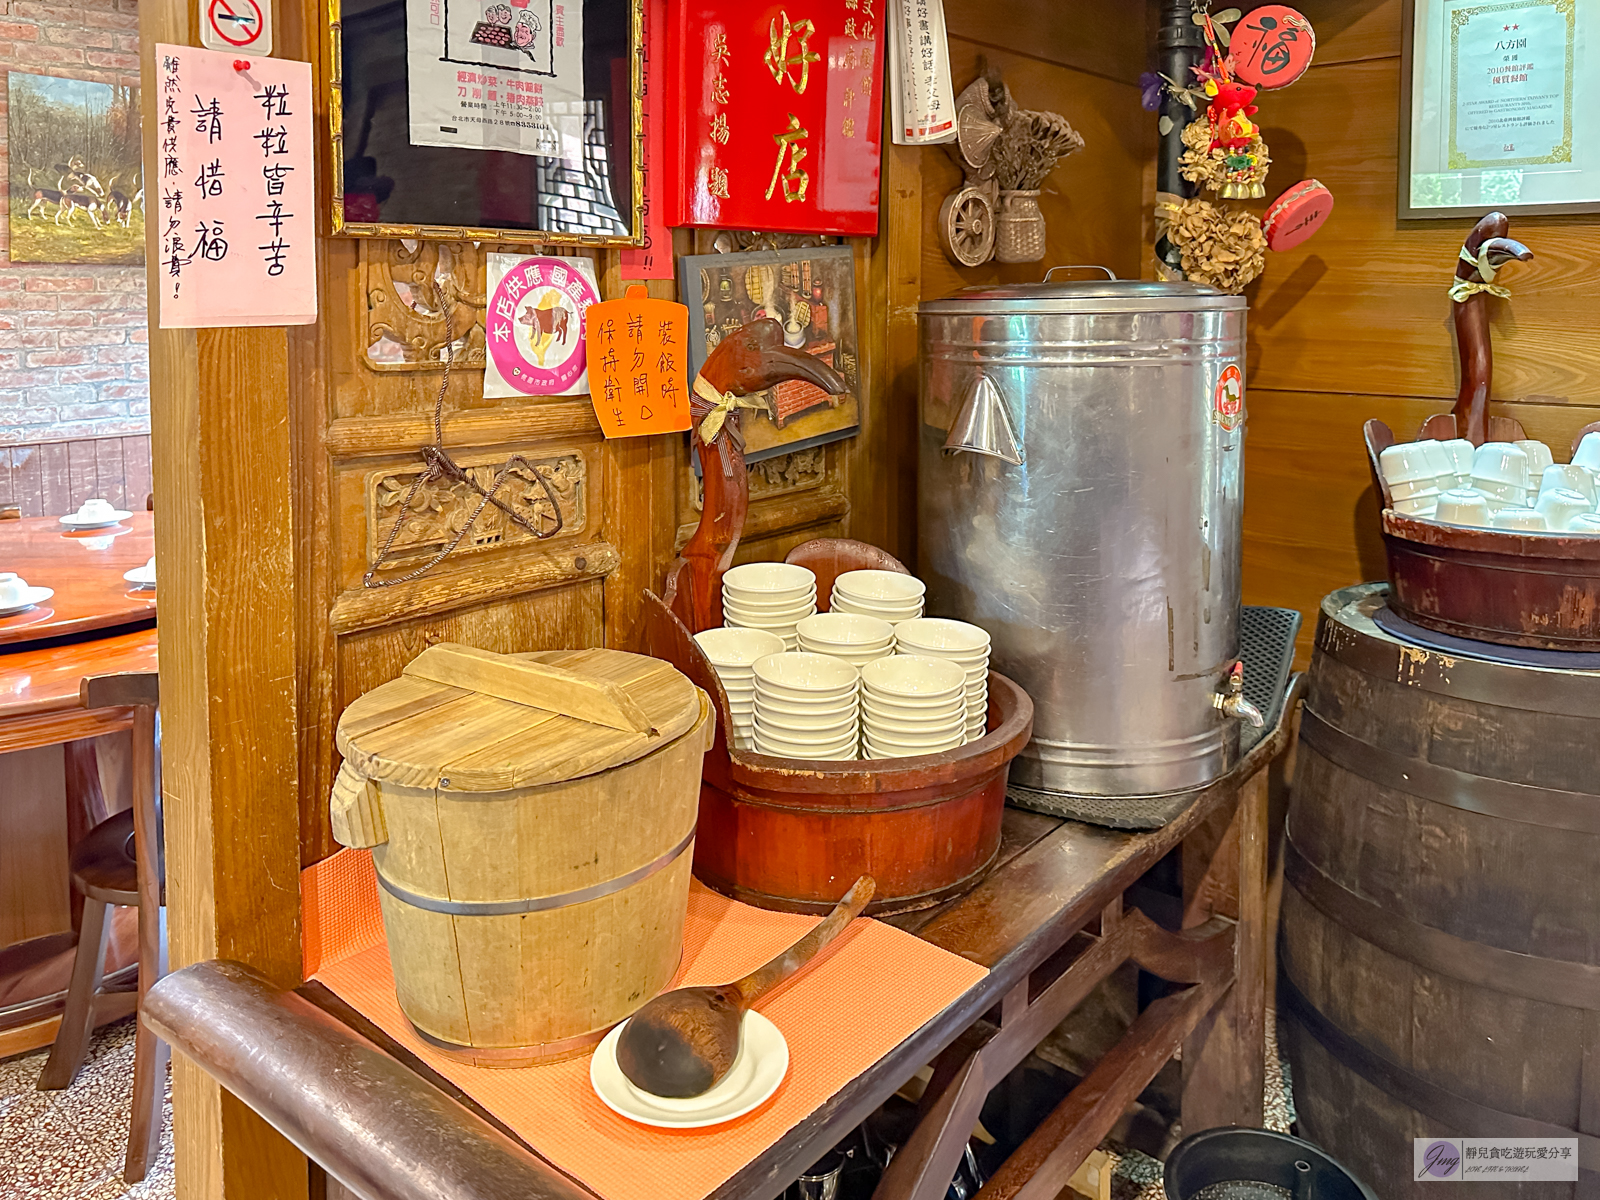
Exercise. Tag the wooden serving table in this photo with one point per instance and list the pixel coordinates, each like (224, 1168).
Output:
(96, 623)
(1049, 923)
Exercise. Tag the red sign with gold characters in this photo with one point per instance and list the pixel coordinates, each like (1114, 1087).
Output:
(776, 112)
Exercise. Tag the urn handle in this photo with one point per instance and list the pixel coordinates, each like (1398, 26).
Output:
(1110, 274)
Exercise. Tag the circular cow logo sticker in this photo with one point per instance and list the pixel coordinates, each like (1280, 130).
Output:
(1227, 403)
(536, 326)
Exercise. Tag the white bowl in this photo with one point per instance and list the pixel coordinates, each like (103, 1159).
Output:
(1559, 506)
(872, 750)
(1578, 479)
(763, 602)
(847, 630)
(781, 626)
(852, 655)
(880, 586)
(737, 647)
(768, 577)
(1460, 452)
(1404, 462)
(1539, 456)
(1588, 452)
(1589, 523)
(892, 615)
(1463, 506)
(912, 710)
(803, 606)
(805, 674)
(1521, 520)
(913, 676)
(815, 721)
(1501, 462)
(905, 749)
(784, 748)
(911, 730)
(943, 636)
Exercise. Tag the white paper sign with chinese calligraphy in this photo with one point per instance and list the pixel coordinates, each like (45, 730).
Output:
(535, 325)
(496, 75)
(234, 190)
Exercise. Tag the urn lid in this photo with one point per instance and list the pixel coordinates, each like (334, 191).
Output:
(463, 719)
(1084, 296)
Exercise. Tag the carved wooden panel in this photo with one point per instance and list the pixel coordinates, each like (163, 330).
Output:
(440, 509)
(420, 297)
(797, 471)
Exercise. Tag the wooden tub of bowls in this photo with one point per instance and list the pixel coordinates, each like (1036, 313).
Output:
(532, 821)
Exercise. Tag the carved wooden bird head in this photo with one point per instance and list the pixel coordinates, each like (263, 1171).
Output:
(1488, 237)
(754, 357)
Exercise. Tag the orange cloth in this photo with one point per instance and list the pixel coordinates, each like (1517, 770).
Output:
(875, 988)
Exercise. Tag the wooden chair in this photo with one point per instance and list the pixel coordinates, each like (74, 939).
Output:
(121, 861)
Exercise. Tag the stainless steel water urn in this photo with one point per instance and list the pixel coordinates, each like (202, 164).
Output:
(1081, 493)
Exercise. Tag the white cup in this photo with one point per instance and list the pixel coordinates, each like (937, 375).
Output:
(1576, 479)
(1501, 462)
(13, 588)
(1463, 506)
(1588, 452)
(1559, 506)
(96, 510)
(1520, 520)
(1539, 457)
(1409, 468)
(1588, 523)
(1460, 451)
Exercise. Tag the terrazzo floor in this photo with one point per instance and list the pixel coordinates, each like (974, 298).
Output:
(69, 1145)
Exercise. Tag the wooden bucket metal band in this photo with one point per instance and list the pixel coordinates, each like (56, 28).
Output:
(1500, 798)
(504, 908)
(1457, 1114)
(1551, 981)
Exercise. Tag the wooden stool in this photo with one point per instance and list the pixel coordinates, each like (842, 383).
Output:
(121, 861)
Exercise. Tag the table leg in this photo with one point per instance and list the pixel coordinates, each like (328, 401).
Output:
(1225, 874)
(923, 1168)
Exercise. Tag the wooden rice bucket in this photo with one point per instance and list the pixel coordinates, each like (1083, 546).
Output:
(532, 819)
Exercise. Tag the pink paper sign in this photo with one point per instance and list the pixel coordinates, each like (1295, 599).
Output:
(234, 189)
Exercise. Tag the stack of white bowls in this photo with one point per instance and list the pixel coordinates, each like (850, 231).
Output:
(856, 639)
(1587, 455)
(1539, 459)
(887, 595)
(807, 706)
(771, 596)
(1572, 478)
(958, 642)
(912, 705)
(1414, 472)
(733, 654)
(1458, 452)
(1500, 471)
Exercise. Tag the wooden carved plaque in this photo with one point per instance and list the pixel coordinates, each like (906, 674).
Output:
(419, 297)
(439, 510)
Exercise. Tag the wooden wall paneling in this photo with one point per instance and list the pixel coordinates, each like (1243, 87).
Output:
(27, 486)
(1351, 30)
(111, 481)
(83, 473)
(136, 470)
(1361, 307)
(1091, 201)
(34, 898)
(1097, 38)
(55, 478)
(7, 485)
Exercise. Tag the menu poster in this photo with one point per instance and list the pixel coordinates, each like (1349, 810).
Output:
(535, 325)
(1502, 104)
(234, 190)
(496, 75)
(775, 112)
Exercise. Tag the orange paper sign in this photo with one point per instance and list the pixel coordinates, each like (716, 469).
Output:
(639, 364)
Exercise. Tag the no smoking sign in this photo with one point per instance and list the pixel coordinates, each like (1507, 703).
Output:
(236, 25)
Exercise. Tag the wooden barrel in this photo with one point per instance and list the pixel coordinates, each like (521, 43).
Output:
(1440, 937)
(533, 863)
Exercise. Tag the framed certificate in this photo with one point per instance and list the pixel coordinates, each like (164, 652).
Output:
(1498, 107)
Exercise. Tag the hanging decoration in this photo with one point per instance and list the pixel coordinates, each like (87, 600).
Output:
(1005, 153)
(1223, 153)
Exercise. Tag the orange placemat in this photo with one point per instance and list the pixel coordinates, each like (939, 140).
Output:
(876, 987)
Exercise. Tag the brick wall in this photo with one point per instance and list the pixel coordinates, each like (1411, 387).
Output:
(73, 358)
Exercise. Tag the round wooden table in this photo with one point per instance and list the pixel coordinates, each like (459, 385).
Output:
(96, 624)
(84, 569)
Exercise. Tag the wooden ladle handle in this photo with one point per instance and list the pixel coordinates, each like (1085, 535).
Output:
(764, 978)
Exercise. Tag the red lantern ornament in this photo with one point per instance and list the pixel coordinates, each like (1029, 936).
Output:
(1272, 46)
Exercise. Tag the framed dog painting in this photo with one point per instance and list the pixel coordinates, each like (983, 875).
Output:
(77, 187)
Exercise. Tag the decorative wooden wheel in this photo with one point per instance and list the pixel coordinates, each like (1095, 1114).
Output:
(966, 226)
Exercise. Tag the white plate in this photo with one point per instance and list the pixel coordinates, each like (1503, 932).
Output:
(759, 1068)
(141, 577)
(74, 522)
(30, 597)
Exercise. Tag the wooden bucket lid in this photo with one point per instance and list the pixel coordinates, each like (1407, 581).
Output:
(469, 720)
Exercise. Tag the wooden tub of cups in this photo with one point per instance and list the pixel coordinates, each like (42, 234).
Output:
(792, 833)
(1511, 586)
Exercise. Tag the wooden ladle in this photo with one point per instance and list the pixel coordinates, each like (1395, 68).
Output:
(682, 1042)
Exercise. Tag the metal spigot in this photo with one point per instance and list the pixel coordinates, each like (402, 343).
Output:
(1231, 702)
